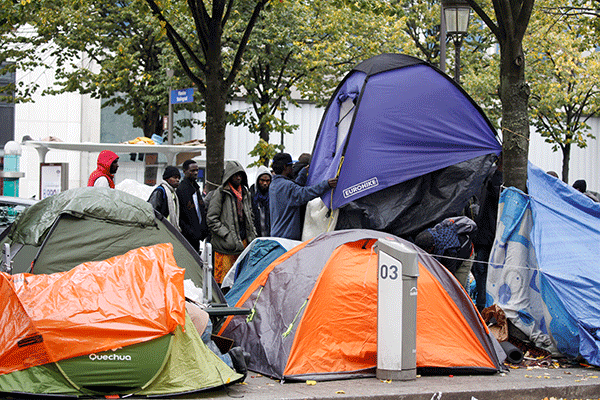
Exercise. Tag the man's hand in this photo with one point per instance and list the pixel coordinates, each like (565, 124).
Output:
(332, 182)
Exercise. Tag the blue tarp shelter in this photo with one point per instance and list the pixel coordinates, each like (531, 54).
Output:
(545, 270)
(398, 123)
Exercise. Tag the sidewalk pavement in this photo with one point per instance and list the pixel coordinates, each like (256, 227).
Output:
(536, 383)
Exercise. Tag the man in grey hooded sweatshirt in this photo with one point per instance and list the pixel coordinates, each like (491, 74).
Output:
(229, 219)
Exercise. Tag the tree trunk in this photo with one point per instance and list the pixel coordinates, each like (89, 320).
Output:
(264, 133)
(216, 100)
(152, 122)
(566, 150)
(215, 132)
(514, 93)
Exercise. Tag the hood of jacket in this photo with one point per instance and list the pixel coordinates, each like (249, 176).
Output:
(232, 168)
(262, 170)
(105, 158)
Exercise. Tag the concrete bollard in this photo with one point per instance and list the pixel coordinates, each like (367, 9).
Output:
(398, 270)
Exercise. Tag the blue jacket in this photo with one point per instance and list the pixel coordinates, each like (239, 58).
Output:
(286, 197)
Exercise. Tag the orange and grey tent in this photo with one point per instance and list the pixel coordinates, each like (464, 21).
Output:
(314, 314)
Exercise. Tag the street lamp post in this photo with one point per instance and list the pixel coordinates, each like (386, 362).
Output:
(456, 17)
(442, 39)
(170, 74)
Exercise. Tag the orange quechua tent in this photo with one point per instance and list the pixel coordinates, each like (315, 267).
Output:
(96, 306)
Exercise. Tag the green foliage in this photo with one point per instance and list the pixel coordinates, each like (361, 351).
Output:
(335, 36)
(265, 152)
(422, 25)
(16, 49)
(480, 73)
(13, 13)
(105, 48)
(308, 47)
(563, 75)
(126, 56)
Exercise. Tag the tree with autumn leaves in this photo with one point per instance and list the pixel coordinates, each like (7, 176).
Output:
(304, 47)
(108, 49)
(262, 49)
(508, 20)
(564, 70)
(561, 75)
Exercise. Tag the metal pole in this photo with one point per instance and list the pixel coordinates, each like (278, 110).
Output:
(457, 46)
(442, 39)
(170, 121)
(207, 273)
(170, 116)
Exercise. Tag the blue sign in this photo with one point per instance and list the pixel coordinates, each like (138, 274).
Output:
(182, 96)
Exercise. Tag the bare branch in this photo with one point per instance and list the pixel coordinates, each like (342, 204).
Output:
(227, 13)
(244, 41)
(523, 19)
(505, 18)
(486, 19)
(177, 41)
(200, 21)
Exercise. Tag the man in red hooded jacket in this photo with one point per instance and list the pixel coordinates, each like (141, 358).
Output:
(104, 175)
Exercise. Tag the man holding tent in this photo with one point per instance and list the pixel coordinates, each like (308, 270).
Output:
(286, 197)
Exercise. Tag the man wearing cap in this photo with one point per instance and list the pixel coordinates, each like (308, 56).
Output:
(286, 197)
(581, 185)
(163, 198)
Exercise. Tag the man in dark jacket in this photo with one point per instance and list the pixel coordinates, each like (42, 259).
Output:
(259, 193)
(192, 215)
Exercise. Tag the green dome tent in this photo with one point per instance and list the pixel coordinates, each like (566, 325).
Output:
(92, 224)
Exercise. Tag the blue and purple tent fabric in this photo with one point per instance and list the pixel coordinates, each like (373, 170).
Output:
(395, 118)
(544, 270)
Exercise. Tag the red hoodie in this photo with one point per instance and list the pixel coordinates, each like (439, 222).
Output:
(105, 159)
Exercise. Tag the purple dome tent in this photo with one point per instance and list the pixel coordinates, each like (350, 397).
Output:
(410, 145)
